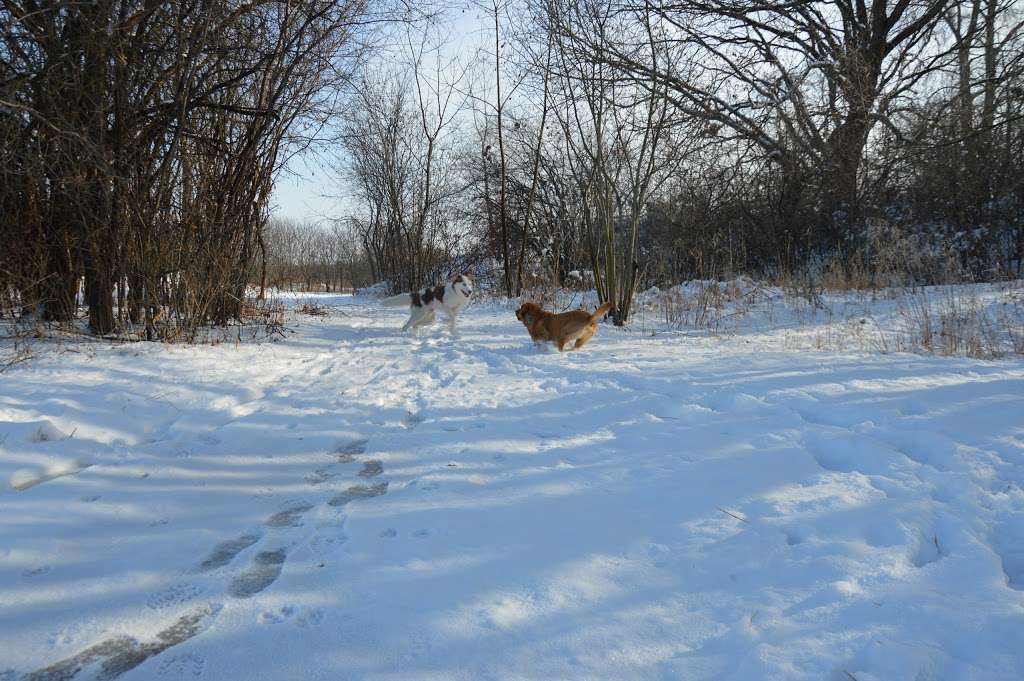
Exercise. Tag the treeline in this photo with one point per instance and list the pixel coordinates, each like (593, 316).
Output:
(653, 142)
(609, 142)
(139, 142)
(305, 256)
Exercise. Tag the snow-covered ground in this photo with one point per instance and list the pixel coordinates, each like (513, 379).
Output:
(350, 503)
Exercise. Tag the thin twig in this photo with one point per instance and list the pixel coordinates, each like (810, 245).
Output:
(16, 361)
(740, 518)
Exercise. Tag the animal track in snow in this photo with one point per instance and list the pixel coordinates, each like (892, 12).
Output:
(276, 616)
(225, 552)
(371, 469)
(290, 517)
(310, 618)
(264, 571)
(358, 492)
(325, 545)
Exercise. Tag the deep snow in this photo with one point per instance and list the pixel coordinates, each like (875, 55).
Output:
(351, 503)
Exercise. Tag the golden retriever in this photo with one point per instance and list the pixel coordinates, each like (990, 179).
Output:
(561, 329)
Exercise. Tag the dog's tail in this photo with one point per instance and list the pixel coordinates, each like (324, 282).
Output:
(600, 312)
(401, 300)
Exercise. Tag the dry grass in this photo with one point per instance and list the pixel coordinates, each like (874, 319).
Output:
(708, 305)
(314, 309)
(259, 319)
(952, 320)
(938, 312)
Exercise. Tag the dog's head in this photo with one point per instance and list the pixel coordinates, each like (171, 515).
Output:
(463, 285)
(528, 313)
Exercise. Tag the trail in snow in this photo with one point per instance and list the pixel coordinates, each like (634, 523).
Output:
(356, 503)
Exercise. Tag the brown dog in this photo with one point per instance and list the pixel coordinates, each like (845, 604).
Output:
(561, 329)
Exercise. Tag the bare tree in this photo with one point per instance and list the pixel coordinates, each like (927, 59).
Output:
(399, 156)
(806, 82)
(148, 136)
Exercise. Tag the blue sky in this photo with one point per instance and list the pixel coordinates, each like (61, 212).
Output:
(299, 194)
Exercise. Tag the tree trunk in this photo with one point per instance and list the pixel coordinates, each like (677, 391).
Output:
(841, 203)
(99, 295)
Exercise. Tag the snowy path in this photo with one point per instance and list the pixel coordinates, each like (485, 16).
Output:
(356, 504)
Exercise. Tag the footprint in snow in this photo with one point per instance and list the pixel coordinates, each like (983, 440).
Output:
(121, 654)
(371, 469)
(347, 452)
(173, 595)
(265, 569)
(225, 552)
(289, 517)
(319, 476)
(358, 492)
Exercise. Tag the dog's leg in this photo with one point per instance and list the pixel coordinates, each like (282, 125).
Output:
(585, 337)
(428, 318)
(416, 315)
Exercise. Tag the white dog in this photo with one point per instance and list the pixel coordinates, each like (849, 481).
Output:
(424, 304)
